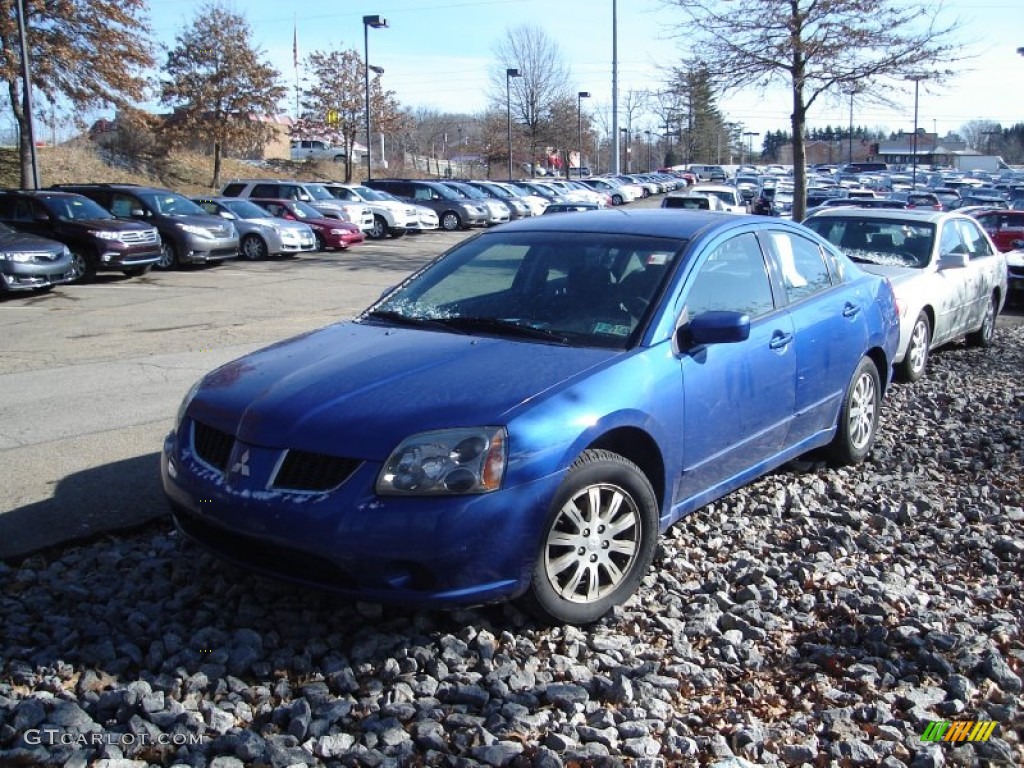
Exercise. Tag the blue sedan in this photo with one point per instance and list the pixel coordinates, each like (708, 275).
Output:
(521, 418)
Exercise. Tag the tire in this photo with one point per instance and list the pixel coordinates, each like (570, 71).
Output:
(83, 268)
(578, 576)
(916, 358)
(254, 247)
(396, 233)
(380, 228)
(168, 256)
(136, 271)
(617, 200)
(986, 333)
(320, 244)
(451, 221)
(858, 417)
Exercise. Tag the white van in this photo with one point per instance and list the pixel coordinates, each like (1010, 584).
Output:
(314, 149)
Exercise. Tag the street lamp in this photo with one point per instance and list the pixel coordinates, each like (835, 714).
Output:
(377, 22)
(509, 74)
(750, 145)
(913, 144)
(853, 92)
(579, 116)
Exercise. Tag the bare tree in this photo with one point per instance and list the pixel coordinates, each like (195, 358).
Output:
(544, 82)
(219, 84)
(87, 52)
(981, 135)
(334, 106)
(814, 47)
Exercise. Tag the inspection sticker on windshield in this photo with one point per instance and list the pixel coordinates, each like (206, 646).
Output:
(658, 259)
(612, 329)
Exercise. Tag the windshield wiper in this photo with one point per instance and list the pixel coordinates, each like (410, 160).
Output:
(497, 325)
(398, 318)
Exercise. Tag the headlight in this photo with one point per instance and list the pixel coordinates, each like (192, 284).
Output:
(448, 461)
(194, 230)
(104, 234)
(340, 231)
(185, 403)
(16, 256)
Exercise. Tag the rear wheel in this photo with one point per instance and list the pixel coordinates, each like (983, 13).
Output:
(451, 221)
(253, 247)
(858, 417)
(916, 358)
(598, 541)
(985, 335)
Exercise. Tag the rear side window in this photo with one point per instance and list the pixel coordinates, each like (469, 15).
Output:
(267, 190)
(234, 189)
(801, 262)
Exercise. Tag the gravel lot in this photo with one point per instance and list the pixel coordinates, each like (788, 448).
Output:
(815, 618)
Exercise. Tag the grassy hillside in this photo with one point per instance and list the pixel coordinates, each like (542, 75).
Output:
(185, 172)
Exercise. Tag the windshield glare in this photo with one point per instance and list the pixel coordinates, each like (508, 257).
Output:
(170, 204)
(587, 289)
(884, 242)
(78, 209)
(305, 211)
(319, 192)
(243, 209)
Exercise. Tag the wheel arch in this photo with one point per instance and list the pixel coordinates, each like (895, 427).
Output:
(640, 448)
(882, 364)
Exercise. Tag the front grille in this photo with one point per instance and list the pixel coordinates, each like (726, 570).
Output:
(305, 471)
(211, 445)
(140, 237)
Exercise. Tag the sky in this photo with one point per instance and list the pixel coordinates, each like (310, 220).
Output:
(440, 55)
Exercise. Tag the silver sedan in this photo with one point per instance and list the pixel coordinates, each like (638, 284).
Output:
(260, 235)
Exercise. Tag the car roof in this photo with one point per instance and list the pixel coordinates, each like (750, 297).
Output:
(654, 222)
(923, 216)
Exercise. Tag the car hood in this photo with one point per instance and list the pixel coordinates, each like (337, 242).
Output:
(214, 223)
(110, 225)
(12, 240)
(357, 390)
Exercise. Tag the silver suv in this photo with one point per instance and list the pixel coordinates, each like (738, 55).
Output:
(311, 192)
(390, 216)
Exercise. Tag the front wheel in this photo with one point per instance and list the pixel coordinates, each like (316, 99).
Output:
(916, 358)
(617, 200)
(321, 244)
(168, 256)
(858, 417)
(254, 248)
(82, 268)
(597, 543)
(985, 335)
(451, 221)
(379, 230)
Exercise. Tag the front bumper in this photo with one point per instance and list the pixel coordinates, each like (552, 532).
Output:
(18, 276)
(201, 250)
(439, 551)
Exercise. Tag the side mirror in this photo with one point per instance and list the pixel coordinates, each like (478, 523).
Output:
(953, 261)
(228, 215)
(714, 328)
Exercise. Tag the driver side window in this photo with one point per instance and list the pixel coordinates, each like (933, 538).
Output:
(733, 279)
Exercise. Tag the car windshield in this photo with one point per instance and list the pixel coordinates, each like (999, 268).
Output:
(585, 289)
(372, 194)
(305, 210)
(243, 209)
(319, 192)
(885, 242)
(464, 190)
(171, 204)
(77, 208)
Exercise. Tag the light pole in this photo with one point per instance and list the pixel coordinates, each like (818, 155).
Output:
(625, 132)
(913, 144)
(648, 135)
(579, 117)
(377, 22)
(509, 74)
(750, 145)
(853, 92)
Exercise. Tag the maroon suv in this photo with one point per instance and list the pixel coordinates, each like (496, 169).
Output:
(331, 234)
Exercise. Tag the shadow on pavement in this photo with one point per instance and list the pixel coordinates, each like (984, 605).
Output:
(112, 497)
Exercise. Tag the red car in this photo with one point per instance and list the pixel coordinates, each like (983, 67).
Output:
(1004, 227)
(331, 234)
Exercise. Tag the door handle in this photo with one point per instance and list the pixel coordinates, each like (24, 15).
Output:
(780, 340)
(850, 310)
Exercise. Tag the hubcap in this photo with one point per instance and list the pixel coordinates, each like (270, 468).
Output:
(989, 325)
(593, 543)
(253, 249)
(862, 411)
(77, 266)
(918, 346)
(166, 256)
